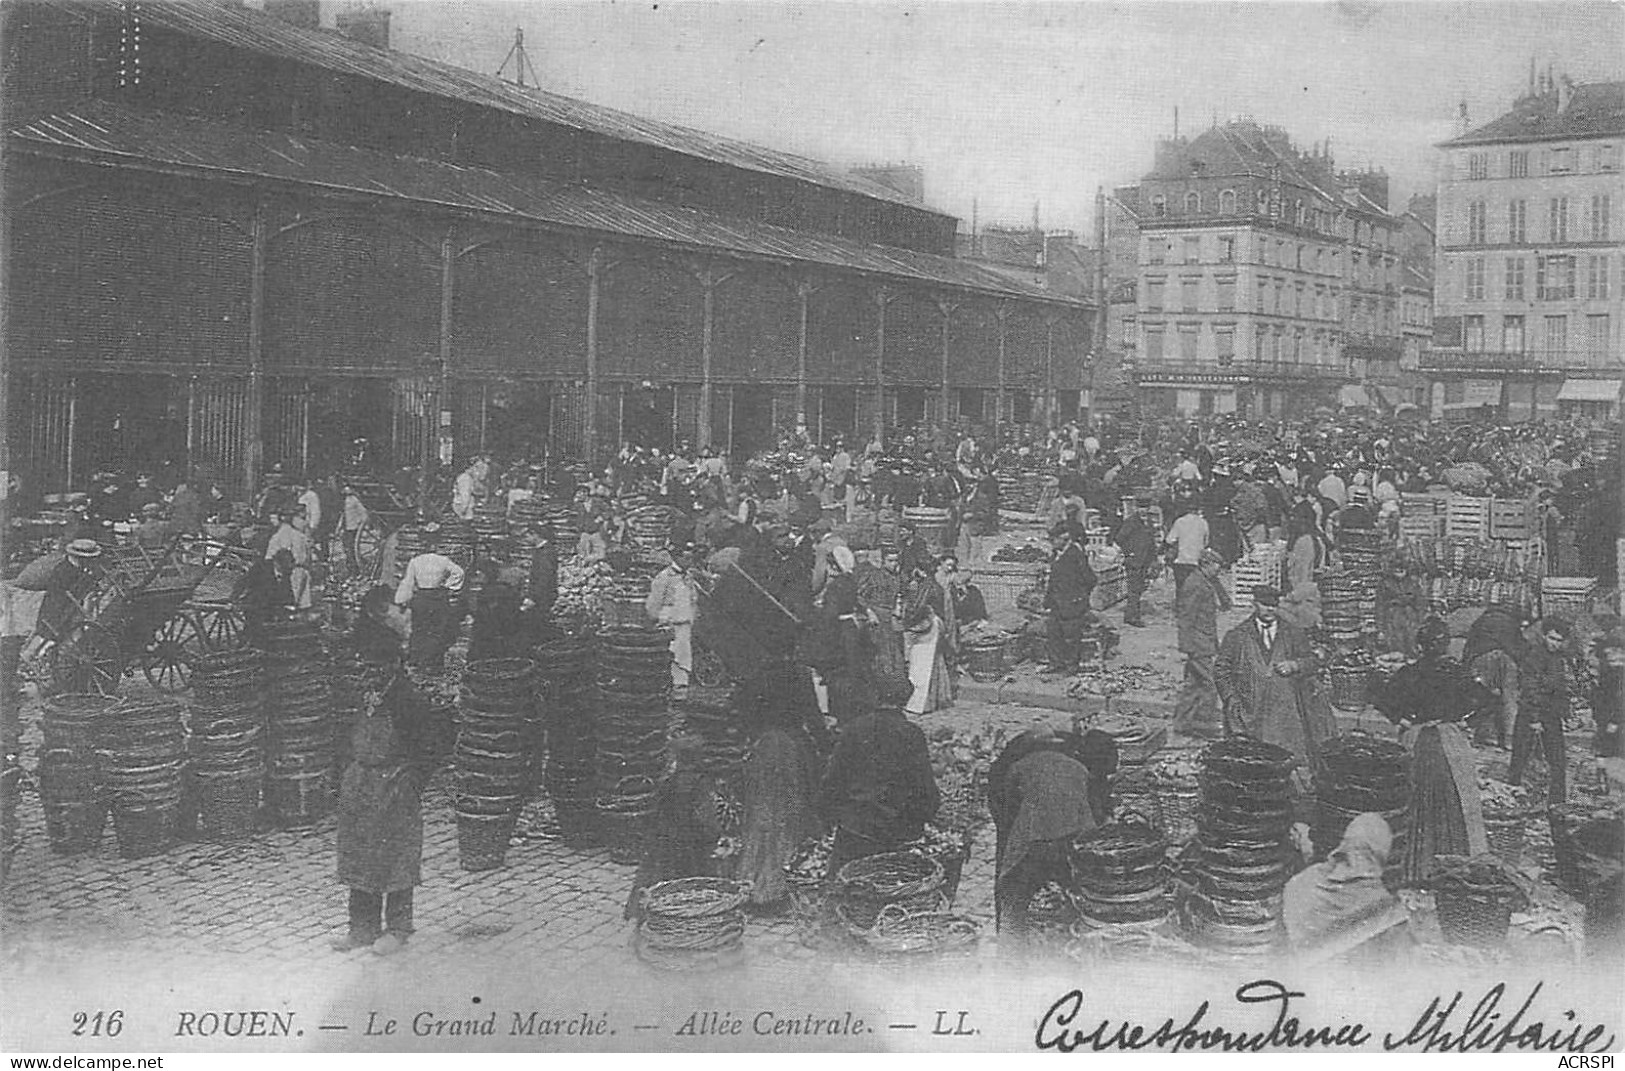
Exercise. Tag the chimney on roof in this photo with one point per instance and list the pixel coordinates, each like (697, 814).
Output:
(1565, 92)
(1463, 123)
(305, 14)
(365, 24)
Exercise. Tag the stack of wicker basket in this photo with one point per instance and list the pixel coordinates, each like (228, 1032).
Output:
(70, 781)
(1120, 874)
(710, 714)
(1360, 774)
(1242, 830)
(141, 750)
(228, 722)
(634, 682)
(299, 752)
(492, 712)
(567, 674)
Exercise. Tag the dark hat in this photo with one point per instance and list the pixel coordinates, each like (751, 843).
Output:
(1269, 596)
(894, 689)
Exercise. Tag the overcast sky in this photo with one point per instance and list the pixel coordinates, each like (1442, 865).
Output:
(1015, 103)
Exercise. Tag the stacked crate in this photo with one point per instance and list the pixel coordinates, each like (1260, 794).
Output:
(1421, 517)
(1262, 565)
(1466, 517)
(1567, 596)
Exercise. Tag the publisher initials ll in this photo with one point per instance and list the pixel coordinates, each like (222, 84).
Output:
(955, 1029)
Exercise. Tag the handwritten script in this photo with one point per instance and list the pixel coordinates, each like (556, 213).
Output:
(1453, 1024)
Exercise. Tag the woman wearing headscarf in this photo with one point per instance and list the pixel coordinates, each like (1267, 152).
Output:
(380, 822)
(1429, 699)
(1340, 909)
(780, 791)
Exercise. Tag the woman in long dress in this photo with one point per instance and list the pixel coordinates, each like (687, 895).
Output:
(877, 593)
(1429, 699)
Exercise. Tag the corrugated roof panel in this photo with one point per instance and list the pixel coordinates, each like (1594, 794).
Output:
(141, 137)
(245, 28)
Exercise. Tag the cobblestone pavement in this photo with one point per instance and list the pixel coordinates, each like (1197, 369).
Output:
(262, 911)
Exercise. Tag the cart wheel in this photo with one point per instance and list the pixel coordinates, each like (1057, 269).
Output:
(369, 549)
(167, 662)
(223, 630)
(87, 662)
(709, 672)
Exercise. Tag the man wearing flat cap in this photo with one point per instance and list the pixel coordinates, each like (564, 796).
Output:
(1265, 674)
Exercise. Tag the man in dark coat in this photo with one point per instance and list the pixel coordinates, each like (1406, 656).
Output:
(1543, 705)
(1197, 609)
(1044, 789)
(878, 790)
(1265, 674)
(1139, 546)
(380, 820)
(1071, 582)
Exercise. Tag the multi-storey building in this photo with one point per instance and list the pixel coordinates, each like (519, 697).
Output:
(1528, 297)
(1267, 280)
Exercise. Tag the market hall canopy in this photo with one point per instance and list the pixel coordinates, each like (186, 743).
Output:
(165, 143)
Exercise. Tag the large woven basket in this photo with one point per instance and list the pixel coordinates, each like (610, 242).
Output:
(1476, 920)
(1506, 835)
(1349, 687)
(866, 886)
(482, 840)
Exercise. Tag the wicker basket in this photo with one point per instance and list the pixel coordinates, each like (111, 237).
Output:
(866, 886)
(1481, 921)
(1175, 806)
(482, 840)
(1506, 835)
(1349, 687)
(145, 832)
(228, 806)
(984, 661)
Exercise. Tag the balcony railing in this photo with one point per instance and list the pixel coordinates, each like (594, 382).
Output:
(1276, 370)
(1502, 361)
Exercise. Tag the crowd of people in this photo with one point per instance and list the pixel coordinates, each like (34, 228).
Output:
(842, 633)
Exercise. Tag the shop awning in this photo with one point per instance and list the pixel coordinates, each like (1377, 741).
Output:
(1589, 390)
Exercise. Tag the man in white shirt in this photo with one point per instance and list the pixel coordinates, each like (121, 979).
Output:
(1333, 489)
(470, 487)
(1188, 535)
(432, 589)
(671, 603)
(290, 536)
(311, 503)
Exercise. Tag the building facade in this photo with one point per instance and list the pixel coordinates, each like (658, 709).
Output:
(1268, 281)
(237, 239)
(1528, 294)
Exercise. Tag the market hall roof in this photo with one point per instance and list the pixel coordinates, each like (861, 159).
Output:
(238, 26)
(1592, 110)
(166, 143)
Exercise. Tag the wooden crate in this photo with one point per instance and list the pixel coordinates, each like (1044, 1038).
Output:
(1467, 517)
(1421, 527)
(1511, 518)
(1111, 588)
(1567, 596)
(1421, 503)
(1002, 583)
